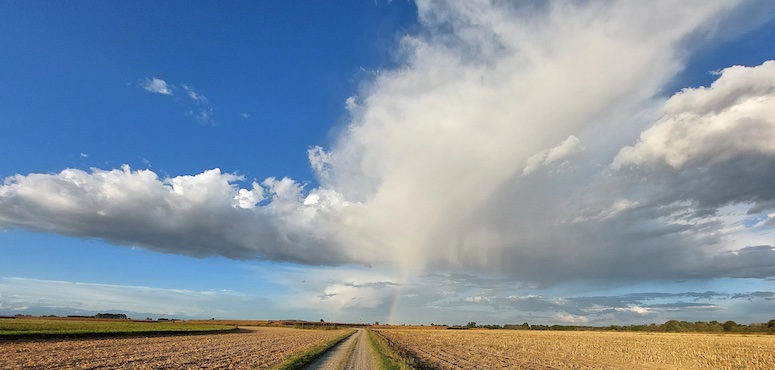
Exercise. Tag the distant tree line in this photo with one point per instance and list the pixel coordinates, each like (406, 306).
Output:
(671, 326)
(98, 316)
(111, 316)
(675, 326)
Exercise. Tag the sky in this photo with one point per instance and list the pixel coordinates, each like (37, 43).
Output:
(404, 162)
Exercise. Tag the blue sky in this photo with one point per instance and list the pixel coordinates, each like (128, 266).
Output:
(406, 162)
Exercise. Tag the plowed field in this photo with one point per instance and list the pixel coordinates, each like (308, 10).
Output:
(253, 348)
(507, 349)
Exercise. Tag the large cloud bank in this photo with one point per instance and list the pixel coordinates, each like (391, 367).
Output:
(507, 142)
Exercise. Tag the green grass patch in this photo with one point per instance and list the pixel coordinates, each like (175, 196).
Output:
(53, 328)
(303, 359)
(387, 357)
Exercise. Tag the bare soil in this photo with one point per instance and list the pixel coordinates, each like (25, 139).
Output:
(528, 349)
(252, 348)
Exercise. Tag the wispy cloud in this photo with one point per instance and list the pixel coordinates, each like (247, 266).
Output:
(201, 107)
(197, 104)
(156, 86)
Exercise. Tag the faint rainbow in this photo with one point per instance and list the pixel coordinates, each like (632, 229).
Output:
(392, 311)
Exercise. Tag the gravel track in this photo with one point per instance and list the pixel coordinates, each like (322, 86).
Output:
(355, 353)
(253, 348)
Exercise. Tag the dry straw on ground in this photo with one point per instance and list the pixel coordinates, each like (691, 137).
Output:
(258, 348)
(506, 349)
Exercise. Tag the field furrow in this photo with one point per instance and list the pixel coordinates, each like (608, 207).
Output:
(255, 348)
(506, 349)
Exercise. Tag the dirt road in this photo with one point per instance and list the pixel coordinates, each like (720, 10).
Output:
(355, 353)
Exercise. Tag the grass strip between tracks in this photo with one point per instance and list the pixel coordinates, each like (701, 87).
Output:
(305, 358)
(387, 357)
(343, 362)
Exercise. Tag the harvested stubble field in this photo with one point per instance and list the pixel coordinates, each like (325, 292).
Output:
(64, 327)
(252, 348)
(506, 349)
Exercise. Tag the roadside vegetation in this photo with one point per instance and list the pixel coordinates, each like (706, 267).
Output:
(303, 359)
(54, 328)
(387, 357)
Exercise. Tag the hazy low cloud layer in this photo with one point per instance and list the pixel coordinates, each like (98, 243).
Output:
(367, 295)
(22, 295)
(530, 141)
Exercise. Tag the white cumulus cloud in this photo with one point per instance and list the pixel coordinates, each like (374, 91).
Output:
(198, 215)
(731, 118)
(156, 85)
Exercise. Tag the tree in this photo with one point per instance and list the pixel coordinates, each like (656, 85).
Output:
(673, 326)
(471, 324)
(715, 326)
(730, 325)
(701, 326)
